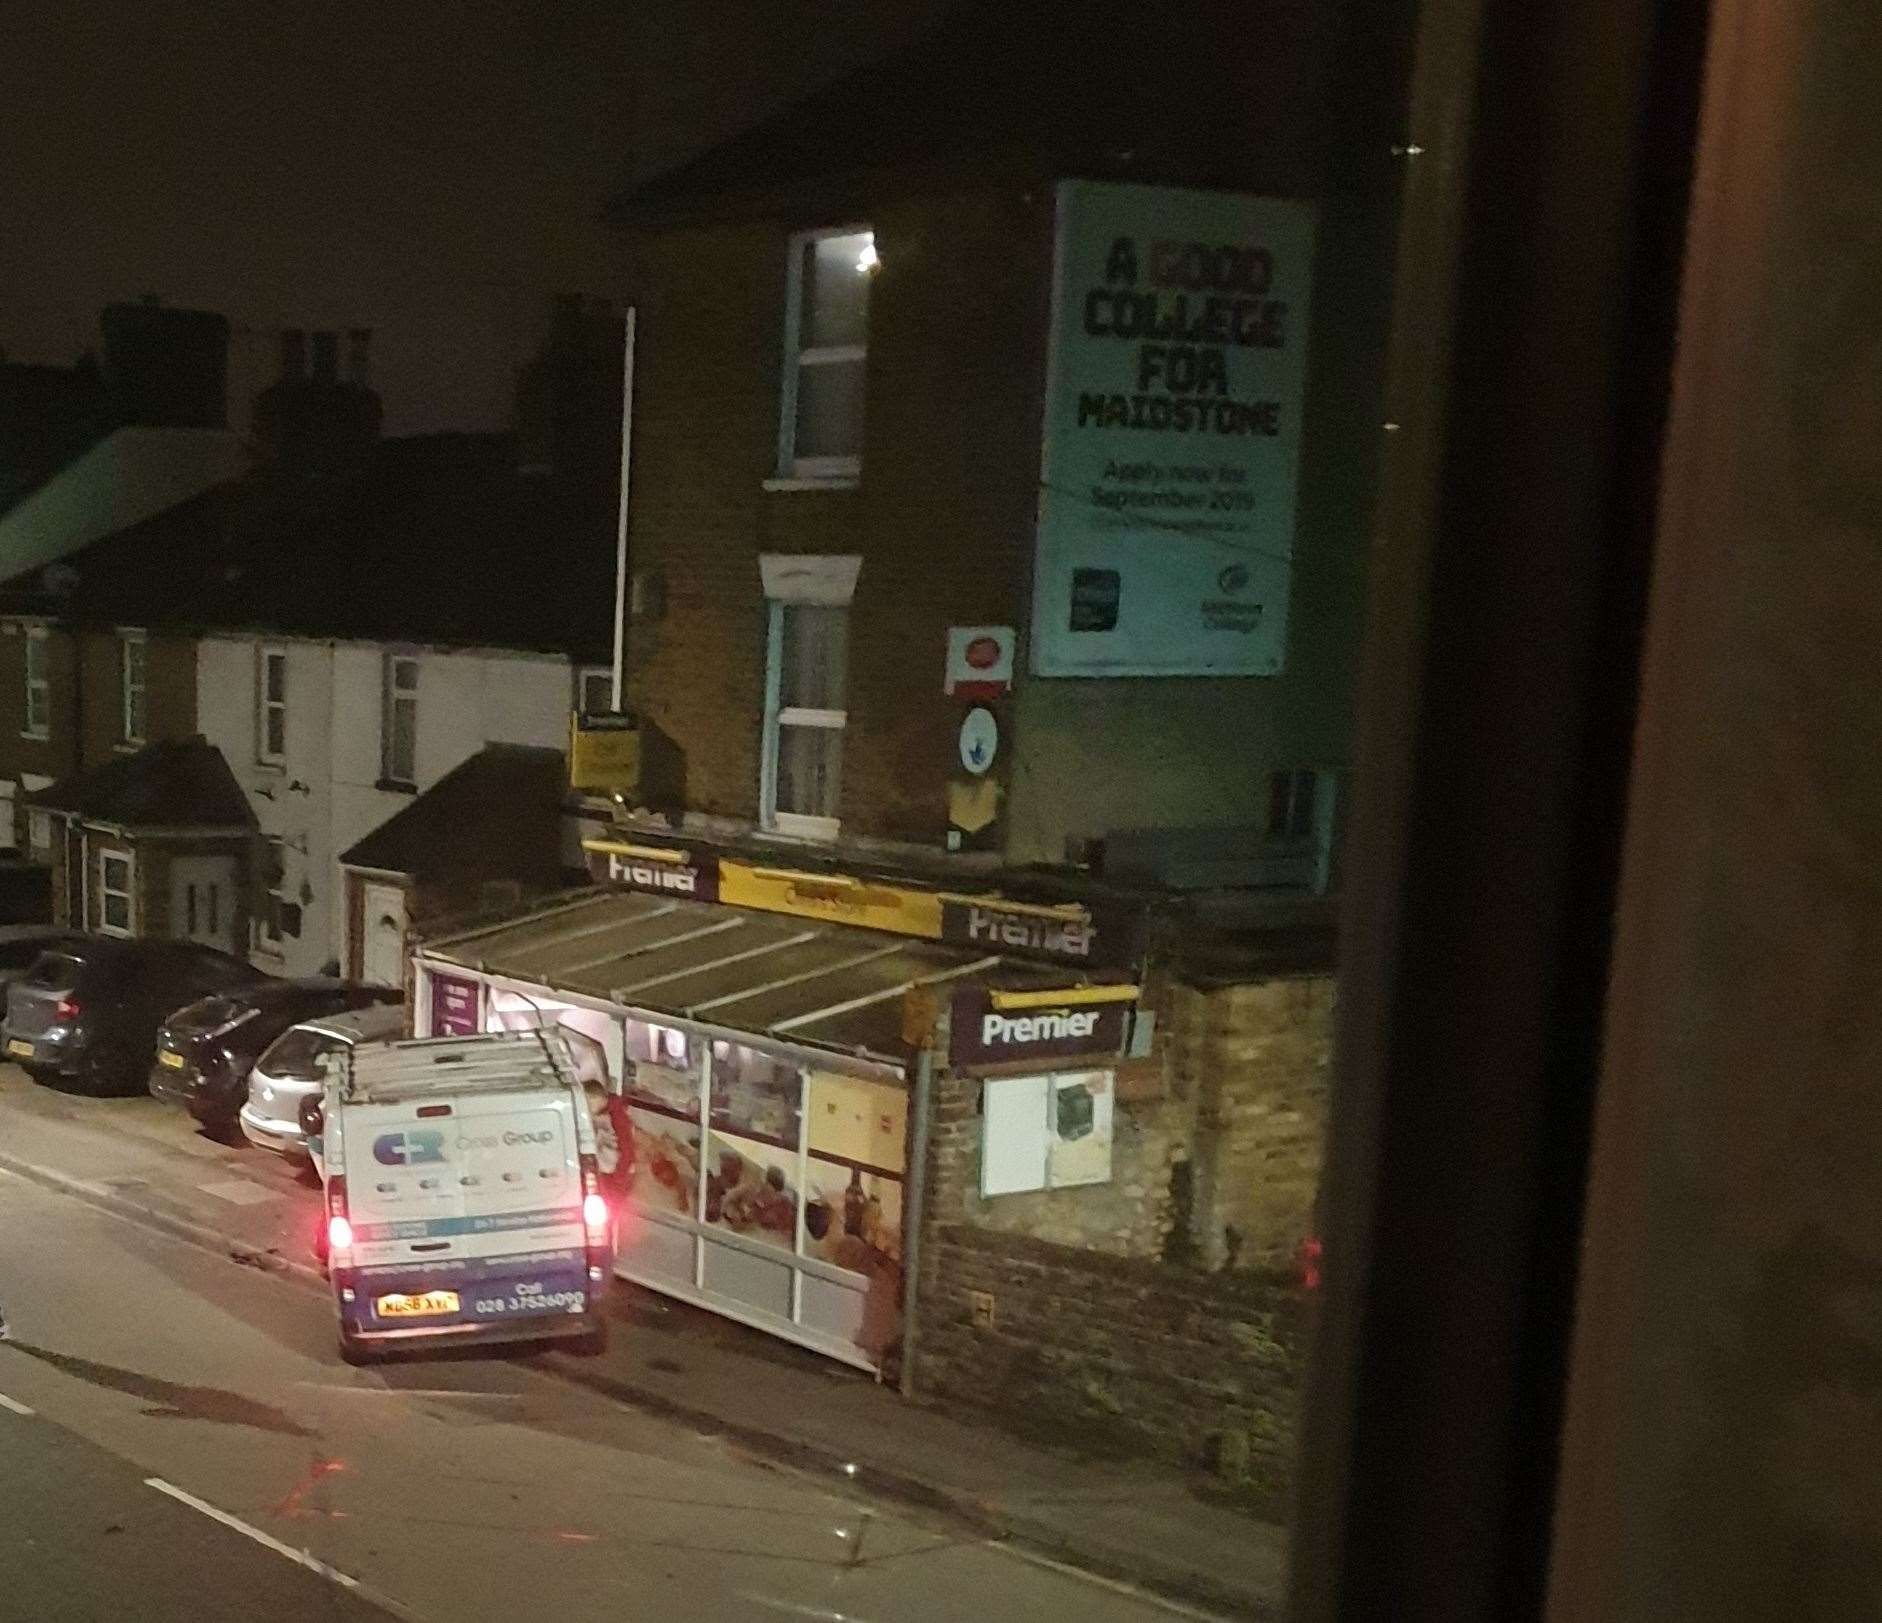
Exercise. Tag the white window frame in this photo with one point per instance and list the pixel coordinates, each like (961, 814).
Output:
(133, 728)
(586, 674)
(265, 706)
(108, 854)
(268, 937)
(39, 687)
(797, 582)
(393, 696)
(811, 471)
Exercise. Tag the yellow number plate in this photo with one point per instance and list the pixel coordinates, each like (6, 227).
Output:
(16, 1046)
(417, 1307)
(174, 1061)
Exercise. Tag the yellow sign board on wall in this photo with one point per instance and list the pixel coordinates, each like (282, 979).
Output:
(834, 898)
(604, 754)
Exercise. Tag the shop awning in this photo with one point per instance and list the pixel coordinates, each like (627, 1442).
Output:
(797, 980)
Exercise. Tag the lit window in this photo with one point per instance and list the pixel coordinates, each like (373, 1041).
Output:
(114, 892)
(131, 665)
(805, 717)
(272, 741)
(820, 433)
(38, 684)
(400, 738)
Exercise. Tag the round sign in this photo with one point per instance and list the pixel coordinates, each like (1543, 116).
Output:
(983, 653)
(980, 738)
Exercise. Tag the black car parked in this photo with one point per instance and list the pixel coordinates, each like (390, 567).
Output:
(88, 1010)
(21, 945)
(206, 1049)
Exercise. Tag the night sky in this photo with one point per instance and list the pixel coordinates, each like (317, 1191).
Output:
(434, 172)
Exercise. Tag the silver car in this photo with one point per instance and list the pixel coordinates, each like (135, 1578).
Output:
(289, 1071)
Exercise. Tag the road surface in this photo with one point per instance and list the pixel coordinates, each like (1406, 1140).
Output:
(459, 1487)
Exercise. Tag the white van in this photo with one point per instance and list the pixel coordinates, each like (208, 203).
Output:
(463, 1195)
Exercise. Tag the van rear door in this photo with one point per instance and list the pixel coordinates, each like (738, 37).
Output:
(466, 1211)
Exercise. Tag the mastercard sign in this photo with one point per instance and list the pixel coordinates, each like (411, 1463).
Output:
(980, 661)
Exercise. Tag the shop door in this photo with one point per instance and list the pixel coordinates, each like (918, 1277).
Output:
(383, 951)
(202, 901)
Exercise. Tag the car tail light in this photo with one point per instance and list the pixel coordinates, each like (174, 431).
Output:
(67, 1008)
(595, 1214)
(339, 1227)
(1312, 1250)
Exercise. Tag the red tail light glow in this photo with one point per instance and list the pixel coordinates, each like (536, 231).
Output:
(595, 1214)
(339, 1228)
(1312, 1249)
(66, 1008)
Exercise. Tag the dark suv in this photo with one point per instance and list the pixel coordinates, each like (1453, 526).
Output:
(206, 1049)
(88, 1011)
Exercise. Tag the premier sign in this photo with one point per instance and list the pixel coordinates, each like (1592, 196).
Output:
(990, 925)
(661, 873)
(983, 1035)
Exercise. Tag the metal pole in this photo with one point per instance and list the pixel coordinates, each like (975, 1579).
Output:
(620, 523)
(913, 1200)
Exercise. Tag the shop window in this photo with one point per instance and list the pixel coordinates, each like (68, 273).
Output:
(39, 834)
(805, 718)
(1045, 1132)
(272, 717)
(826, 340)
(116, 873)
(132, 660)
(38, 684)
(399, 735)
(752, 1179)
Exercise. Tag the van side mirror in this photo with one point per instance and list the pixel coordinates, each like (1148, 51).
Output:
(313, 1114)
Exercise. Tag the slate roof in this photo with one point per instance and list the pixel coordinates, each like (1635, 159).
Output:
(181, 783)
(128, 477)
(434, 539)
(499, 815)
(1222, 93)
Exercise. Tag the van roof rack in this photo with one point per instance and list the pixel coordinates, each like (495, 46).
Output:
(385, 1073)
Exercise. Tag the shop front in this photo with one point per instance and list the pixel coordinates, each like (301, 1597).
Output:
(752, 1066)
(756, 1111)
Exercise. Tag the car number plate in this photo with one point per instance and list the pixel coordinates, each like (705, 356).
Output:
(174, 1061)
(424, 1305)
(17, 1046)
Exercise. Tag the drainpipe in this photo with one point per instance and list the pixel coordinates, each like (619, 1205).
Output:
(914, 1211)
(620, 523)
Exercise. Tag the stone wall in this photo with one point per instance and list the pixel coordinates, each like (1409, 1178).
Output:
(1161, 1310)
(1116, 1354)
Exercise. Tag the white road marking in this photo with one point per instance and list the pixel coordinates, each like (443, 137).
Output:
(238, 1191)
(299, 1557)
(14, 1404)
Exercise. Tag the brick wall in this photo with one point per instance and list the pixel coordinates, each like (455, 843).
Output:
(1112, 1352)
(1126, 1309)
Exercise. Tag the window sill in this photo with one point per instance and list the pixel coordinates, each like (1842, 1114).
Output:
(274, 768)
(129, 746)
(36, 738)
(835, 482)
(804, 830)
(394, 787)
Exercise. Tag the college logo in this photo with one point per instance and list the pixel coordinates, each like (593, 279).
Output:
(409, 1149)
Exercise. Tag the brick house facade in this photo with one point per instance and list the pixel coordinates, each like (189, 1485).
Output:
(943, 509)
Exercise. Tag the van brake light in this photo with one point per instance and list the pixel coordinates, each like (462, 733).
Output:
(339, 1227)
(67, 1008)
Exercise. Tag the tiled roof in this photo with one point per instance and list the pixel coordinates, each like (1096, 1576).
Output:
(184, 783)
(497, 816)
(1189, 92)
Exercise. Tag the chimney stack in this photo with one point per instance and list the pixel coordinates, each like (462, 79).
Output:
(326, 358)
(358, 340)
(293, 355)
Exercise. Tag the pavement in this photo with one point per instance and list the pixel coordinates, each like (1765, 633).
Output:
(1133, 1522)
